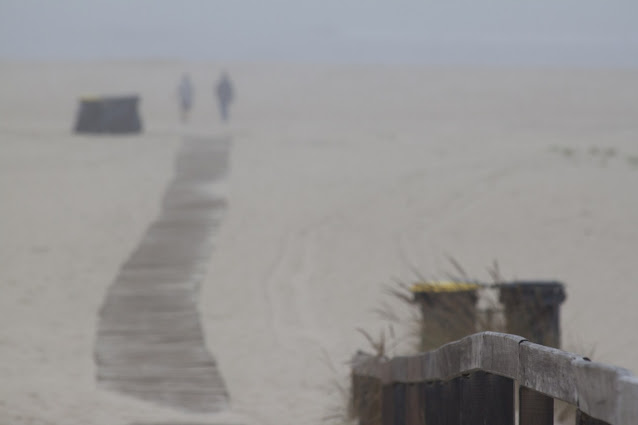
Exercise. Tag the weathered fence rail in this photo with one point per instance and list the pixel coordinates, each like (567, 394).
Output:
(472, 381)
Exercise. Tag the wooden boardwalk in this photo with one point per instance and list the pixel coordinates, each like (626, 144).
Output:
(150, 343)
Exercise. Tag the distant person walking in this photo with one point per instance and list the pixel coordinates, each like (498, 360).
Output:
(225, 94)
(185, 93)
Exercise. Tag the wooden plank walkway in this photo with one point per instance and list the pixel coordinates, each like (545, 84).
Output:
(150, 343)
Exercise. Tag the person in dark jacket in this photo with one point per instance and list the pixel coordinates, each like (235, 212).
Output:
(185, 94)
(225, 95)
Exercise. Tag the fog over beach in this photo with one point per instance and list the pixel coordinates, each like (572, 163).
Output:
(368, 142)
(493, 32)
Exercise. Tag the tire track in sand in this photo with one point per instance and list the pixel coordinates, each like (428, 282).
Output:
(150, 343)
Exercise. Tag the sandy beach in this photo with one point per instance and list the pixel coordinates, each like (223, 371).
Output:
(341, 179)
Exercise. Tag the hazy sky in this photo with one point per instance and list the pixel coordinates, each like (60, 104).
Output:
(562, 32)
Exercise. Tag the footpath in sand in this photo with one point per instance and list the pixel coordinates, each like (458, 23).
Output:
(150, 343)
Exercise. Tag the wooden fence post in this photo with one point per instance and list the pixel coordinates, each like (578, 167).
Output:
(387, 404)
(535, 408)
(366, 400)
(415, 395)
(356, 395)
(442, 404)
(400, 403)
(487, 399)
(452, 402)
(434, 408)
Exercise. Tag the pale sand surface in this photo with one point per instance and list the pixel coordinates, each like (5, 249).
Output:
(341, 179)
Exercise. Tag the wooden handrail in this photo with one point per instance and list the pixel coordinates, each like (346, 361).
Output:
(603, 392)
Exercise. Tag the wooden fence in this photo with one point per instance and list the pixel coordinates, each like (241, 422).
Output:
(474, 381)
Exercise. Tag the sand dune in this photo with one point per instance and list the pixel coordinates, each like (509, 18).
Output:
(341, 179)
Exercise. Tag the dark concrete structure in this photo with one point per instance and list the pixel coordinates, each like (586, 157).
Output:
(118, 115)
(448, 311)
(532, 310)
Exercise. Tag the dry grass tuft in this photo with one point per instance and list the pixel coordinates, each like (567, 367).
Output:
(433, 312)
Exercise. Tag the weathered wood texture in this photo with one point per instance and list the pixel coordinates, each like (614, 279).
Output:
(604, 393)
(150, 343)
(535, 408)
(486, 399)
(414, 404)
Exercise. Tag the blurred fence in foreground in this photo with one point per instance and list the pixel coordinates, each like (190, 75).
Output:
(474, 381)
